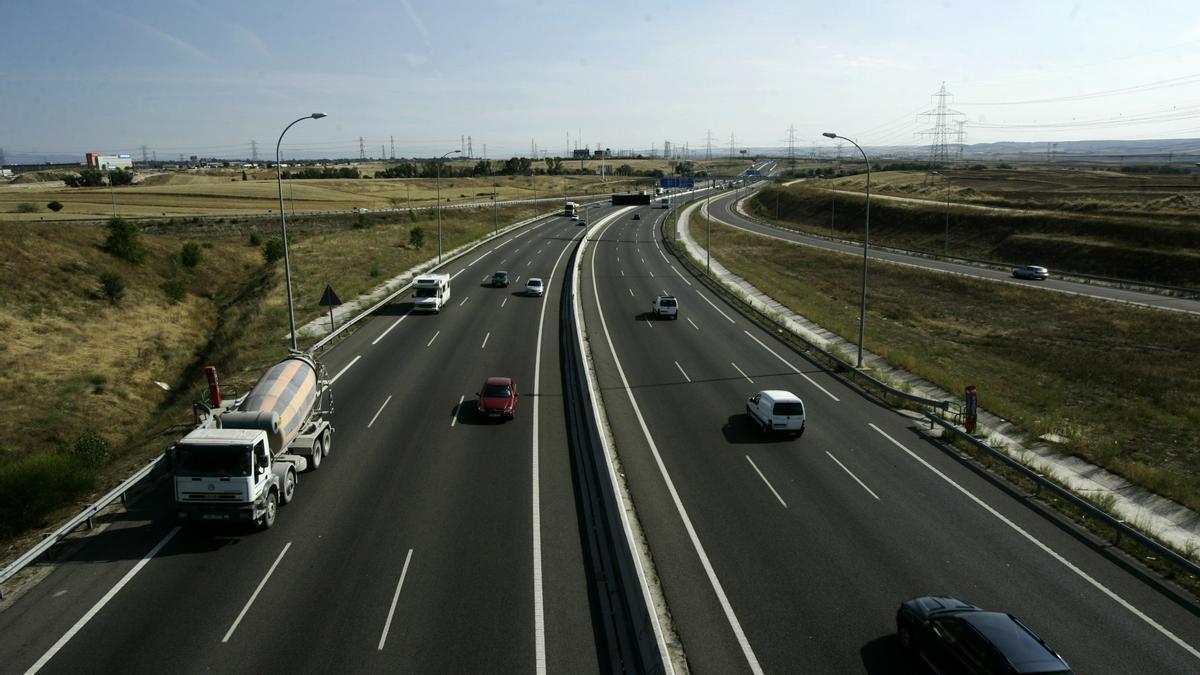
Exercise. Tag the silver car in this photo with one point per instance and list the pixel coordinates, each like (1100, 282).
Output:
(1031, 272)
(534, 287)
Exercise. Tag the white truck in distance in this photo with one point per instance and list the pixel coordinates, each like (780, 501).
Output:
(240, 463)
(432, 292)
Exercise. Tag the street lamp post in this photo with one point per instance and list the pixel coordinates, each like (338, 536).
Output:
(287, 268)
(439, 200)
(708, 234)
(862, 306)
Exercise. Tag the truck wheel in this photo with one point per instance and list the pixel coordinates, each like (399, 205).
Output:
(768, 428)
(327, 440)
(289, 487)
(268, 518)
(314, 460)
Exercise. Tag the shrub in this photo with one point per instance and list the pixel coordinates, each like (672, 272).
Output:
(255, 239)
(190, 254)
(91, 450)
(86, 178)
(55, 206)
(26, 207)
(124, 241)
(112, 286)
(120, 177)
(34, 486)
(272, 250)
(174, 290)
(416, 236)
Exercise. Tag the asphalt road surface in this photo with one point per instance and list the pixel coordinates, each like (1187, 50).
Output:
(430, 540)
(792, 555)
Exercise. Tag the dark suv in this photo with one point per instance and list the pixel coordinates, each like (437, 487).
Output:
(500, 279)
(953, 636)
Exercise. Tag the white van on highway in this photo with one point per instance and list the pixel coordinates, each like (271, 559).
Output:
(777, 410)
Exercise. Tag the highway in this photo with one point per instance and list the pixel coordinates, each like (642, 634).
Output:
(428, 541)
(723, 211)
(788, 555)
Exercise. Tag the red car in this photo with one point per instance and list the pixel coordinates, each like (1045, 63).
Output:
(498, 398)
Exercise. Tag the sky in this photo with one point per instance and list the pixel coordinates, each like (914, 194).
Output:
(208, 78)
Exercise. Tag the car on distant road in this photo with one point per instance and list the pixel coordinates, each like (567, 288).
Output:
(953, 636)
(500, 279)
(498, 398)
(665, 305)
(1031, 272)
(775, 410)
(534, 286)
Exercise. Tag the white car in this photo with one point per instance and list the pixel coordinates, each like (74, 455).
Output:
(776, 410)
(1031, 272)
(534, 286)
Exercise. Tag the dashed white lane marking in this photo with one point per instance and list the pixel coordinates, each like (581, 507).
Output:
(710, 302)
(254, 595)
(392, 611)
(478, 259)
(503, 302)
(343, 370)
(764, 479)
(864, 485)
(433, 338)
(455, 275)
(377, 412)
(789, 365)
(457, 409)
(485, 339)
(735, 367)
(1051, 552)
(685, 375)
(389, 329)
(631, 293)
(693, 324)
(464, 301)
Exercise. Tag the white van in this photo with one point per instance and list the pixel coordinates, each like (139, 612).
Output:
(432, 292)
(776, 410)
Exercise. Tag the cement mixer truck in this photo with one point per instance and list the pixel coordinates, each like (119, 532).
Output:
(242, 460)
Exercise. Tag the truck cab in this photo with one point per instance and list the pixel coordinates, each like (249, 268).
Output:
(229, 475)
(431, 292)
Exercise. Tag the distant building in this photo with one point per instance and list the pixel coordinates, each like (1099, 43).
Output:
(109, 162)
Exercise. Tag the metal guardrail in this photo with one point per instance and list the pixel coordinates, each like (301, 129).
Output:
(757, 315)
(71, 525)
(1120, 526)
(626, 618)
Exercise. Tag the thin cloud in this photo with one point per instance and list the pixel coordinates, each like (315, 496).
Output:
(178, 44)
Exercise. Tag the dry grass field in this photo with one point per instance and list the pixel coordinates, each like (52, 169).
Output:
(223, 191)
(1112, 379)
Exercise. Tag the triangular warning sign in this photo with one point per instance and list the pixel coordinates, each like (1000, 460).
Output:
(329, 298)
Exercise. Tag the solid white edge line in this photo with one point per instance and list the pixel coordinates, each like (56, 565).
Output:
(764, 479)
(343, 370)
(427, 344)
(693, 324)
(254, 595)
(83, 620)
(387, 625)
(539, 610)
(626, 507)
(377, 412)
(789, 365)
(485, 339)
(864, 485)
(389, 328)
(710, 302)
(457, 410)
(478, 259)
(735, 367)
(1051, 552)
(685, 375)
(718, 589)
